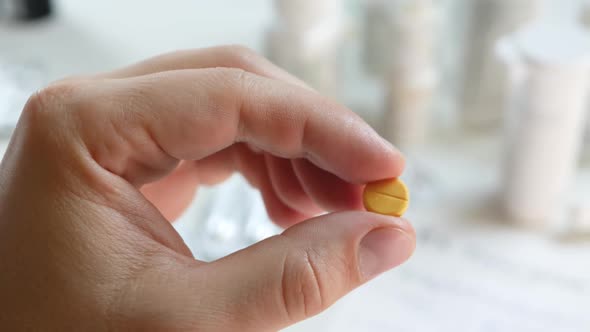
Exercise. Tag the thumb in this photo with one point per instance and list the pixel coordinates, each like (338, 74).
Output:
(299, 273)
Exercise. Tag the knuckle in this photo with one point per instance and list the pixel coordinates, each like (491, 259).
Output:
(242, 81)
(236, 78)
(51, 117)
(238, 56)
(48, 99)
(303, 285)
(42, 111)
(239, 82)
(241, 54)
(239, 75)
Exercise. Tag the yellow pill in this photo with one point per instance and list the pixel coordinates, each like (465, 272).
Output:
(388, 197)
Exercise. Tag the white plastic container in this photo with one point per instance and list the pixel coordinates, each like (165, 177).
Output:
(310, 54)
(412, 73)
(306, 14)
(585, 14)
(377, 43)
(585, 21)
(481, 92)
(550, 80)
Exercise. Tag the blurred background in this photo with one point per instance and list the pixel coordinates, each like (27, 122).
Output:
(487, 98)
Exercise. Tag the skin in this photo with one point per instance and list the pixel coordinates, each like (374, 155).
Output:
(99, 165)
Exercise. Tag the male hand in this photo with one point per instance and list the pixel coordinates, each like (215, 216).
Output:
(99, 165)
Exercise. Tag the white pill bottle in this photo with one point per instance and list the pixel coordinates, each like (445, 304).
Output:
(549, 68)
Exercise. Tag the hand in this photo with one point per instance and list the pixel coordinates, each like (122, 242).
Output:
(82, 248)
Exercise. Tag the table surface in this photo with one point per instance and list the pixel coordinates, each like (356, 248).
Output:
(471, 271)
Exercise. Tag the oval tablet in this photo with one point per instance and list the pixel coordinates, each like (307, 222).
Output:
(389, 197)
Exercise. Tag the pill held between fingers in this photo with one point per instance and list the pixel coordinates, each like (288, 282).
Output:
(388, 197)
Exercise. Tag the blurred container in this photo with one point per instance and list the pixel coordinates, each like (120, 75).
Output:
(412, 72)
(484, 76)
(306, 14)
(585, 14)
(310, 52)
(378, 44)
(585, 21)
(451, 55)
(550, 78)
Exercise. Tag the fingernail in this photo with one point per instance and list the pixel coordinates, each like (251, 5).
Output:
(383, 249)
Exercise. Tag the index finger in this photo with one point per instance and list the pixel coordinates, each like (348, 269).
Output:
(191, 114)
(229, 56)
